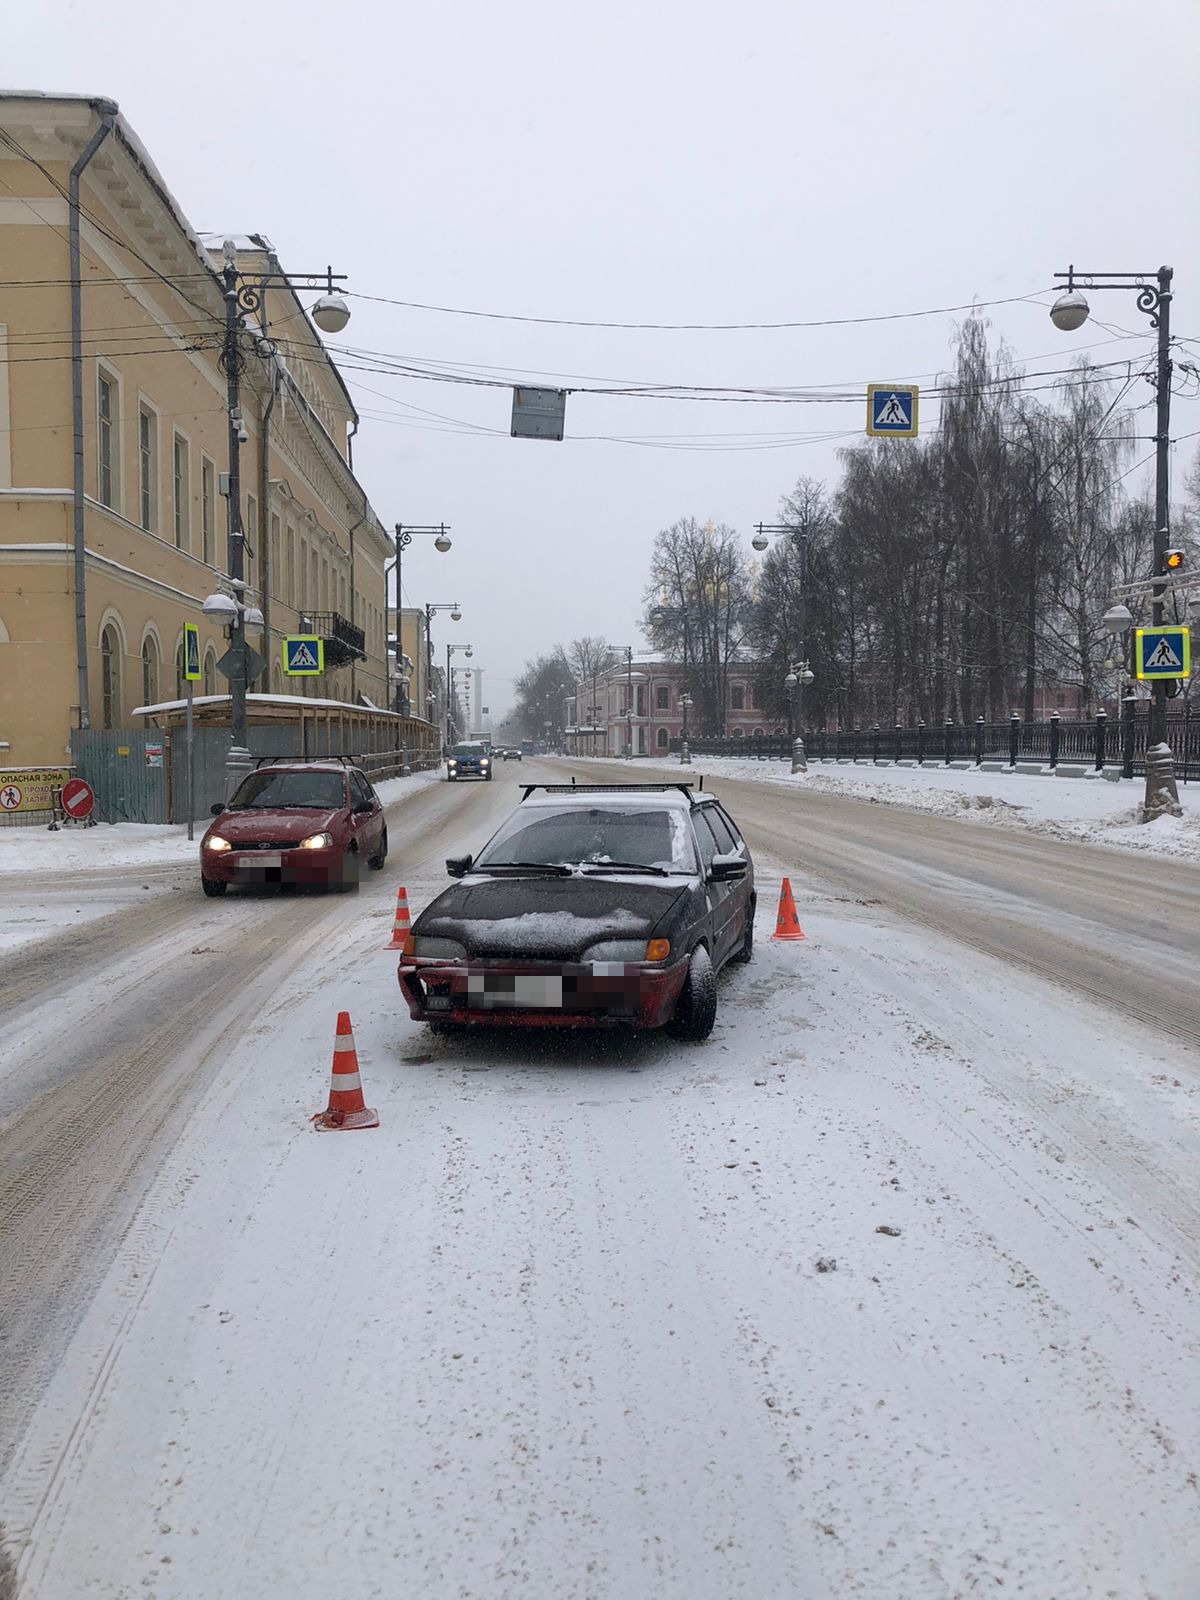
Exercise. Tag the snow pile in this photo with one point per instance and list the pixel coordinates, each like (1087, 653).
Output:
(1094, 810)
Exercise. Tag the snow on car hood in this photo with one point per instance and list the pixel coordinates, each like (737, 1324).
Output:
(286, 827)
(554, 918)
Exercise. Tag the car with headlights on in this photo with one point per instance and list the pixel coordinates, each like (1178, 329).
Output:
(295, 822)
(596, 905)
(469, 760)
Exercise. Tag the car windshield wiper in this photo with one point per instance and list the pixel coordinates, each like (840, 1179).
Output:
(552, 867)
(624, 866)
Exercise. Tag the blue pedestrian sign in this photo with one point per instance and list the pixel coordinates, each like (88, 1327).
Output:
(1162, 652)
(303, 655)
(892, 410)
(191, 653)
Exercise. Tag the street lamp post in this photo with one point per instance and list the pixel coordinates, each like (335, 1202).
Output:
(1070, 311)
(244, 296)
(455, 610)
(799, 676)
(404, 537)
(450, 649)
(685, 705)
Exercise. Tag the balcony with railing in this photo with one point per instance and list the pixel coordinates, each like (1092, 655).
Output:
(343, 641)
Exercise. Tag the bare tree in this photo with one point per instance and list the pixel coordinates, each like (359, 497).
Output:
(698, 608)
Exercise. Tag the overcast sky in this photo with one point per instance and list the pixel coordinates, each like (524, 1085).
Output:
(654, 161)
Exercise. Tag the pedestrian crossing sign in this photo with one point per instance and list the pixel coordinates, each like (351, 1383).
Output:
(892, 410)
(191, 653)
(303, 655)
(1162, 652)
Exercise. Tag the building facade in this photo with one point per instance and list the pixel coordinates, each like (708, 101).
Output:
(114, 448)
(633, 708)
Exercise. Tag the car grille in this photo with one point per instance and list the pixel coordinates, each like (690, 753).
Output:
(266, 844)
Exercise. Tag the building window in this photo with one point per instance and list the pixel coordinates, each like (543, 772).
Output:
(1060, 701)
(106, 441)
(755, 697)
(663, 697)
(737, 697)
(149, 671)
(208, 508)
(290, 593)
(179, 484)
(739, 733)
(210, 671)
(758, 733)
(180, 680)
(274, 574)
(662, 738)
(148, 467)
(641, 699)
(110, 677)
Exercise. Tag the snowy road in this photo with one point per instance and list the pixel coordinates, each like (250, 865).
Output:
(608, 1317)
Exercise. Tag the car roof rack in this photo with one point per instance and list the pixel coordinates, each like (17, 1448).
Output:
(300, 761)
(608, 788)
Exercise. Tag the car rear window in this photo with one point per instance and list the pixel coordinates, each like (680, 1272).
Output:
(578, 835)
(269, 787)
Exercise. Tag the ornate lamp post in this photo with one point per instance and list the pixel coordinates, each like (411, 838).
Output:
(404, 537)
(685, 705)
(450, 649)
(797, 680)
(1070, 311)
(244, 293)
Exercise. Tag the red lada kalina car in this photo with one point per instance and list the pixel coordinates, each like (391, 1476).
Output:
(295, 822)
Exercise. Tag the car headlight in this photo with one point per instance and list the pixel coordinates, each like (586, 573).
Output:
(483, 761)
(217, 844)
(616, 950)
(436, 949)
(452, 762)
(317, 841)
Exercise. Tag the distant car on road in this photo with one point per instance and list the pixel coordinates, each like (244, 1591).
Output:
(468, 760)
(595, 905)
(295, 822)
(509, 753)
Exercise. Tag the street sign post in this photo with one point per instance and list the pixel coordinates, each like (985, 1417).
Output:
(1162, 652)
(78, 799)
(892, 410)
(303, 655)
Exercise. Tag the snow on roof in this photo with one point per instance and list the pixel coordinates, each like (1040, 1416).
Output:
(258, 699)
(584, 796)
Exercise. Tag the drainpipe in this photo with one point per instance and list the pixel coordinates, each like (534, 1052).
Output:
(264, 532)
(350, 538)
(107, 111)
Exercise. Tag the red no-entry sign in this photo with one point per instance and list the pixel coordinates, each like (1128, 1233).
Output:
(77, 798)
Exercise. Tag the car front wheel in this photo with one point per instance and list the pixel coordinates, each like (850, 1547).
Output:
(696, 1008)
(377, 861)
(213, 887)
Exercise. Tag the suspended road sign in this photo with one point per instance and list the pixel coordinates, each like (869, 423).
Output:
(303, 655)
(538, 413)
(1162, 652)
(892, 410)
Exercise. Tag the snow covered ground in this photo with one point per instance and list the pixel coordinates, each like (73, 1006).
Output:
(1097, 810)
(129, 844)
(887, 1291)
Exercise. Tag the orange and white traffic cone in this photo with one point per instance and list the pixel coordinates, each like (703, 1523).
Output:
(787, 923)
(402, 923)
(346, 1108)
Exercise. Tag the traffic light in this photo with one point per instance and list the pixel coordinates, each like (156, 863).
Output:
(1172, 560)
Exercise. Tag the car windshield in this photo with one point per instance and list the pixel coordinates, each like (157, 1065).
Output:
(593, 836)
(269, 788)
(467, 750)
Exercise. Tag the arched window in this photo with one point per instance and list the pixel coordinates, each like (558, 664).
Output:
(150, 664)
(180, 680)
(758, 733)
(110, 677)
(739, 733)
(210, 671)
(662, 739)
(277, 679)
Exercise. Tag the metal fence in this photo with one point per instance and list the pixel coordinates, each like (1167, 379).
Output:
(1095, 743)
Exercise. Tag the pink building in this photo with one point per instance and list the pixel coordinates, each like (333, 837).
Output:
(635, 705)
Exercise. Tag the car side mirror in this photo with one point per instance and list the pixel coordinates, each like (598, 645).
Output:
(361, 806)
(727, 868)
(216, 808)
(458, 866)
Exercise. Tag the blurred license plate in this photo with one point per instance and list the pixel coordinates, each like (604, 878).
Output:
(526, 991)
(261, 858)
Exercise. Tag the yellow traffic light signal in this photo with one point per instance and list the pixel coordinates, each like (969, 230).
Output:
(1173, 560)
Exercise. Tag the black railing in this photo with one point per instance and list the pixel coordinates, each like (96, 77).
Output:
(343, 641)
(1097, 743)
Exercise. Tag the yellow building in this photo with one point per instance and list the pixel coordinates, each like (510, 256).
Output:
(114, 445)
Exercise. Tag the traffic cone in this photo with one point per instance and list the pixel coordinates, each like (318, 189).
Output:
(345, 1108)
(787, 924)
(402, 923)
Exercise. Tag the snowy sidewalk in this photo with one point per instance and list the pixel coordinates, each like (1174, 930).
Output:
(1095, 810)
